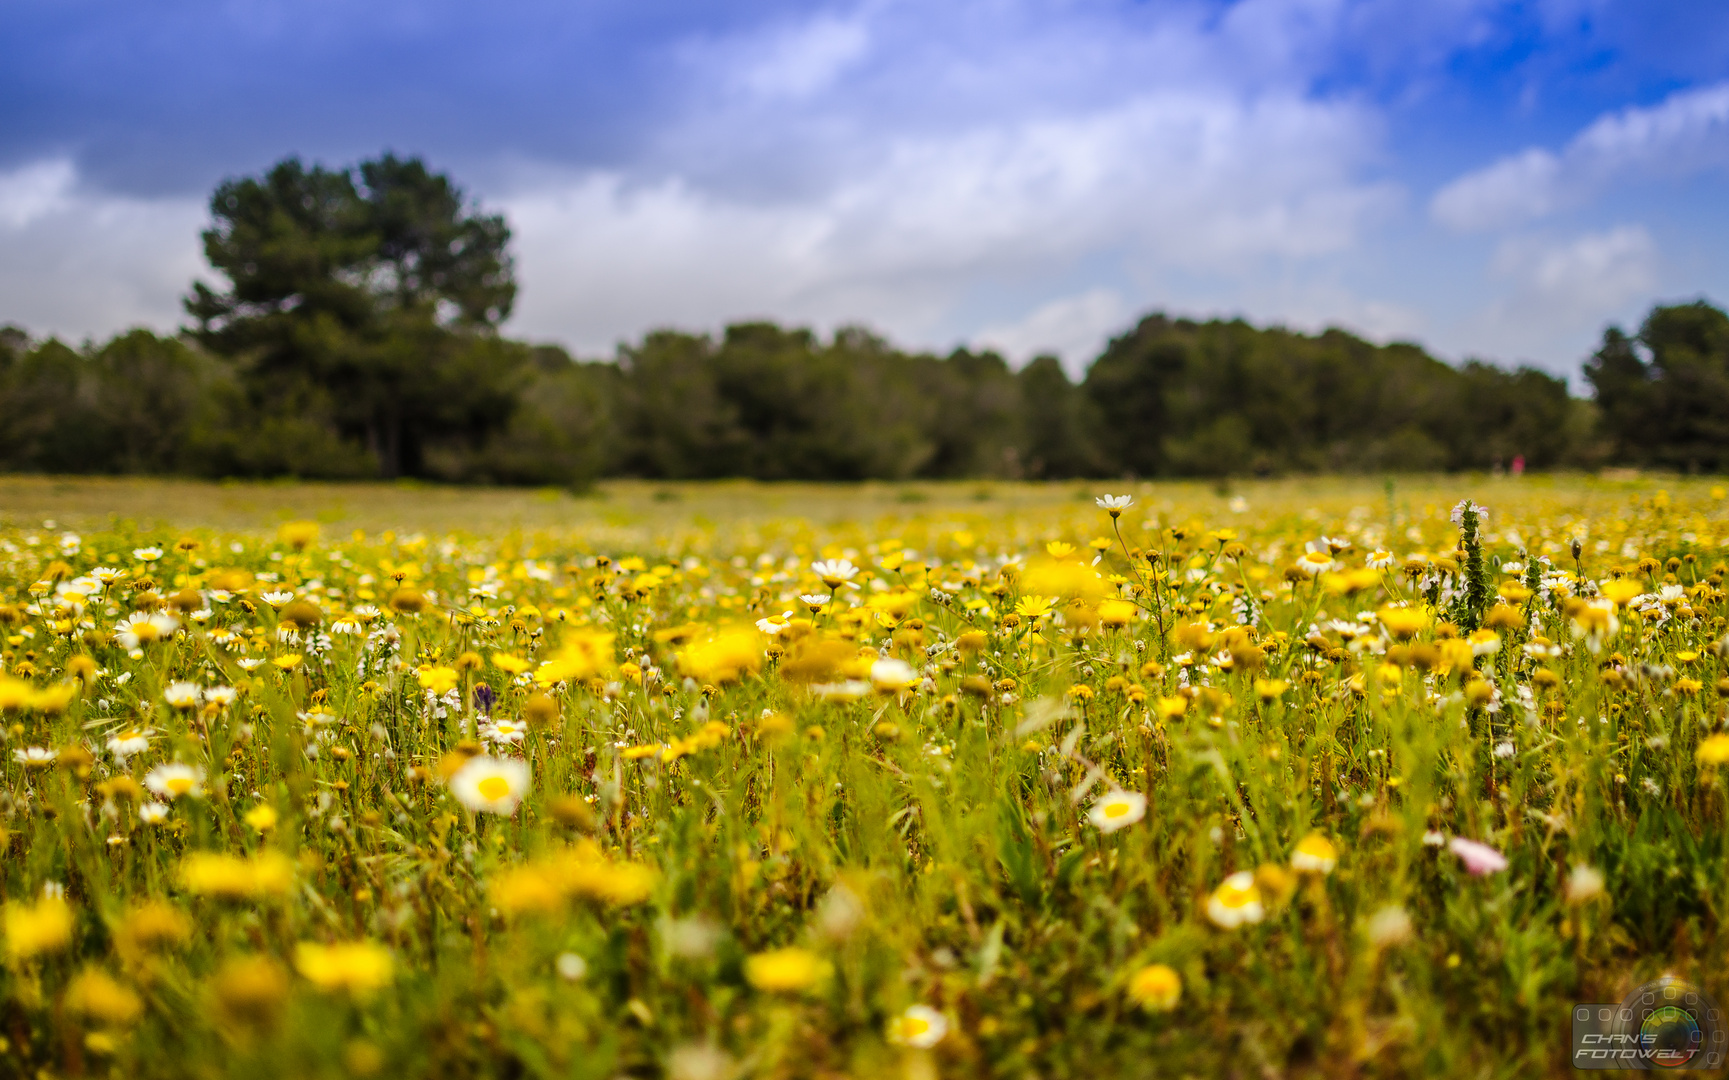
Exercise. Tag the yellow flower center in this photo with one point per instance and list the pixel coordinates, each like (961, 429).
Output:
(1116, 810)
(494, 788)
(180, 785)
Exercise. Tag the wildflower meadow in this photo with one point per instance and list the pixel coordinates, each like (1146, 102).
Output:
(1297, 778)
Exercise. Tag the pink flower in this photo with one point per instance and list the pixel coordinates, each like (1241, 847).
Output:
(1467, 504)
(1479, 859)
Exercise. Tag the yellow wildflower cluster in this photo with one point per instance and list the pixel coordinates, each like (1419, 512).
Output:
(985, 780)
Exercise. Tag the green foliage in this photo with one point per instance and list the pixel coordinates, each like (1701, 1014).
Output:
(366, 301)
(139, 404)
(1179, 398)
(1665, 393)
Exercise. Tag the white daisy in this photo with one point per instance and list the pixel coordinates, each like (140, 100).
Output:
(173, 779)
(1117, 809)
(920, 1026)
(182, 695)
(834, 572)
(1236, 901)
(504, 732)
(893, 676)
(491, 785)
(140, 629)
(129, 742)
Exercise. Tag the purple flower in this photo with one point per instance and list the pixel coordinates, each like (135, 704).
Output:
(1479, 859)
(483, 699)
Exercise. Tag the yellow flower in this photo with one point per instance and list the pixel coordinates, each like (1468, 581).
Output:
(262, 817)
(1513, 592)
(1156, 988)
(789, 970)
(231, 877)
(515, 665)
(34, 929)
(250, 990)
(1116, 614)
(723, 657)
(439, 680)
(407, 601)
(97, 996)
(1620, 591)
(581, 871)
(1033, 607)
(288, 662)
(1270, 689)
(1402, 623)
(358, 967)
(1714, 750)
(1065, 580)
(151, 925)
(1315, 854)
(585, 654)
(298, 534)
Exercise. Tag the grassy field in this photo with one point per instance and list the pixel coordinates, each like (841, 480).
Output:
(1297, 778)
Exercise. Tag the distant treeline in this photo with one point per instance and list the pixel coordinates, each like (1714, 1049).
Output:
(359, 338)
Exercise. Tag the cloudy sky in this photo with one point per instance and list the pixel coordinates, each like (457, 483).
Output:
(1493, 179)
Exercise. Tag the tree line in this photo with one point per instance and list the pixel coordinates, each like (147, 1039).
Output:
(358, 337)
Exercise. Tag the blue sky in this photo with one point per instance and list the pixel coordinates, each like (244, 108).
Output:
(1492, 179)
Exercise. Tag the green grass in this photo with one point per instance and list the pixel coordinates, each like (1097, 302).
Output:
(930, 847)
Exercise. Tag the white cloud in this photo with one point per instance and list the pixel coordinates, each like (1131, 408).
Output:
(1074, 327)
(800, 60)
(1558, 294)
(1591, 273)
(32, 191)
(1687, 133)
(1167, 181)
(79, 263)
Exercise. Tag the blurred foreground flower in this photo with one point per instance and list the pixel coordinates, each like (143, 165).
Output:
(35, 929)
(1156, 988)
(1315, 854)
(358, 967)
(1479, 859)
(788, 970)
(490, 785)
(920, 1026)
(1236, 901)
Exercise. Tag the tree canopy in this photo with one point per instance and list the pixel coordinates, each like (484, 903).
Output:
(365, 300)
(357, 334)
(1664, 392)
